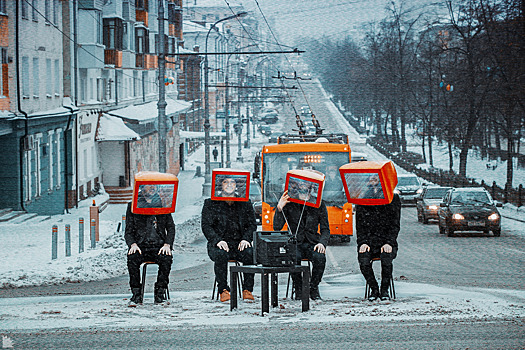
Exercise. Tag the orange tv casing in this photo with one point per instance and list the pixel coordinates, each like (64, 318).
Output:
(356, 177)
(165, 197)
(242, 179)
(311, 181)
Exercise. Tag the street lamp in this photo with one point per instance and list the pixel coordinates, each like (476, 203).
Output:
(206, 187)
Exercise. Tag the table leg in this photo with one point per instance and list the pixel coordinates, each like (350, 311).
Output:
(306, 290)
(265, 297)
(233, 293)
(274, 289)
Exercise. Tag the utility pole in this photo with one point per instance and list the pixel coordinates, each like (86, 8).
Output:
(161, 105)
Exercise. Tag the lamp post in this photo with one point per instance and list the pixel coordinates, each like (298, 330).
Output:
(206, 187)
(161, 104)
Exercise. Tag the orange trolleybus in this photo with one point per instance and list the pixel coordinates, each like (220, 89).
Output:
(325, 153)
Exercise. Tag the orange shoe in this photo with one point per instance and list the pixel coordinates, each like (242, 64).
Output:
(225, 295)
(247, 295)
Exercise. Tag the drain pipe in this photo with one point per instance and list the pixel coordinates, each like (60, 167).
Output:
(18, 105)
(66, 151)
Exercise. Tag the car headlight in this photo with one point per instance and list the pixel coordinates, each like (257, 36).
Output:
(432, 207)
(493, 217)
(397, 191)
(458, 216)
(419, 191)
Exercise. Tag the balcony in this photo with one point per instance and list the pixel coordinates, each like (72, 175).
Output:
(113, 57)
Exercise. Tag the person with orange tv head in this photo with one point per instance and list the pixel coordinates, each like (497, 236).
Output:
(149, 238)
(304, 222)
(228, 226)
(377, 227)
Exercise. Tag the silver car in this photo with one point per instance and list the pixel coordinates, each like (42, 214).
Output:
(428, 203)
(408, 188)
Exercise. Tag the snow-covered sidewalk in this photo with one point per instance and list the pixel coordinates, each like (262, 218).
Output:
(342, 302)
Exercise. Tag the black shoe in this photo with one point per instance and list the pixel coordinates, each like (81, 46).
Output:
(137, 296)
(374, 295)
(314, 293)
(160, 295)
(384, 295)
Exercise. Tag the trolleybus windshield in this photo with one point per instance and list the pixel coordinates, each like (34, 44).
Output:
(276, 165)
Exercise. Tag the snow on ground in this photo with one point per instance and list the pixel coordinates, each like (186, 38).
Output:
(27, 261)
(342, 302)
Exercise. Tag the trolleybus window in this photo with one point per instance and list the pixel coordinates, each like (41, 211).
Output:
(276, 165)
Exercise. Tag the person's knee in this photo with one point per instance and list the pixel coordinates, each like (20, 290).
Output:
(135, 258)
(318, 258)
(165, 259)
(363, 258)
(386, 258)
(219, 255)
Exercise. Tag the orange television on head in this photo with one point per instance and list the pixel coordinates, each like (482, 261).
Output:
(369, 183)
(154, 193)
(230, 185)
(305, 186)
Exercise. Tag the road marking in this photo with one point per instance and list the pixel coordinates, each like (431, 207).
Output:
(331, 258)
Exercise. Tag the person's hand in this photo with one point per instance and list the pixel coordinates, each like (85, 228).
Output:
(387, 248)
(283, 201)
(133, 249)
(365, 248)
(244, 244)
(223, 245)
(319, 247)
(166, 250)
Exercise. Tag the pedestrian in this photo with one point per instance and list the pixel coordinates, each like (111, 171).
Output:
(228, 226)
(149, 238)
(215, 153)
(377, 227)
(304, 221)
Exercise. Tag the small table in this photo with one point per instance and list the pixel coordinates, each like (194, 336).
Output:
(273, 271)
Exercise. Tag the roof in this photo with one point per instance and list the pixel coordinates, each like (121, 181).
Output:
(149, 111)
(113, 129)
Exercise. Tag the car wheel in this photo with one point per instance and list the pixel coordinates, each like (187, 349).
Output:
(450, 232)
(419, 218)
(441, 230)
(497, 232)
(425, 220)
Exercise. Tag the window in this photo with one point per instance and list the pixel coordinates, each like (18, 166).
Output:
(125, 37)
(99, 27)
(58, 164)
(25, 77)
(52, 164)
(113, 33)
(47, 10)
(27, 175)
(4, 91)
(35, 10)
(135, 83)
(55, 11)
(57, 78)
(3, 6)
(23, 9)
(141, 40)
(49, 82)
(141, 5)
(38, 155)
(36, 78)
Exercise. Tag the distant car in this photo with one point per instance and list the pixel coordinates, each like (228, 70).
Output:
(469, 209)
(359, 157)
(256, 198)
(270, 118)
(428, 202)
(408, 188)
(266, 130)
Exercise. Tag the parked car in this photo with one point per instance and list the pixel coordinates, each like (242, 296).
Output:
(469, 209)
(359, 157)
(256, 198)
(269, 118)
(408, 188)
(428, 202)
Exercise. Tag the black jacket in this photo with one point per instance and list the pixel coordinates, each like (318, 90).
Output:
(137, 229)
(222, 222)
(377, 225)
(312, 219)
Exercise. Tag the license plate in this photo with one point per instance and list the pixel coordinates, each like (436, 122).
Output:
(476, 223)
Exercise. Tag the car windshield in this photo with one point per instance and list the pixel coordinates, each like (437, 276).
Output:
(475, 198)
(276, 165)
(407, 181)
(436, 193)
(255, 192)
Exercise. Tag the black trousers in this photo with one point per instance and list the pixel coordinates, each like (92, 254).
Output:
(365, 264)
(305, 250)
(220, 257)
(136, 259)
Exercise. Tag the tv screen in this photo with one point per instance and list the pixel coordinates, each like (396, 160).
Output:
(230, 185)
